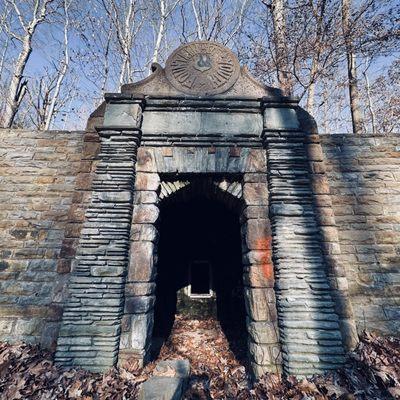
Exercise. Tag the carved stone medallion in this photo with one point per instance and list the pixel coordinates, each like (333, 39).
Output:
(202, 68)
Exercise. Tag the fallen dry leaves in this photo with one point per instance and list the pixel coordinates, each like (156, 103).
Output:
(26, 372)
(218, 371)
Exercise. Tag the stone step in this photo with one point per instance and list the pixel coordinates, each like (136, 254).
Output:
(168, 382)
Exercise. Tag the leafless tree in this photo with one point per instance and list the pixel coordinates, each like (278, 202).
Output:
(216, 20)
(354, 93)
(62, 69)
(24, 35)
(280, 34)
(123, 15)
(305, 47)
(165, 10)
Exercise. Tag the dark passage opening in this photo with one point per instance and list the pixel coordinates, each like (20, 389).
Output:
(200, 269)
(200, 283)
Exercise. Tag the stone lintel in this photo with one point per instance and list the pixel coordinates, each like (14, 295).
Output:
(183, 103)
(113, 130)
(281, 101)
(122, 97)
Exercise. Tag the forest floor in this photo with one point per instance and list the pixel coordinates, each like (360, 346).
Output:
(218, 371)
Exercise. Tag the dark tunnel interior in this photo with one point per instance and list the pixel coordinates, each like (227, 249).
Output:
(200, 248)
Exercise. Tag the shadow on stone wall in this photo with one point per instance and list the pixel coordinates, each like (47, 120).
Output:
(365, 190)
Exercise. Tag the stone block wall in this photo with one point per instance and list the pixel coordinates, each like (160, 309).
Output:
(45, 187)
(42, 176)
(364, 182)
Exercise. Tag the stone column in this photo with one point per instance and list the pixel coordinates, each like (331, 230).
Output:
(140, 286)
(90, 331)
(262, 324)
(308, 323)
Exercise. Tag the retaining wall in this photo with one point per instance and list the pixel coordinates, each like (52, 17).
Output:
(45, 182)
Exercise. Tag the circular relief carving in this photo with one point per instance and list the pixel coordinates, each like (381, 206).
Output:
(202, 68)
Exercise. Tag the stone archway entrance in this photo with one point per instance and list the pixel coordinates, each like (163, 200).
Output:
(210, 201)
(157, 135)
(199, 269)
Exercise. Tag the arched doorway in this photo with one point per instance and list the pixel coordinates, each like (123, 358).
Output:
(199, 269)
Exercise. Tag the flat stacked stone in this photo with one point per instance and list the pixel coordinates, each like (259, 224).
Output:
(90, 331)
(309, 326)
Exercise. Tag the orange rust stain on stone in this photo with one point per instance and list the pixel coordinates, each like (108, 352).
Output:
(264, 243)
(268, 271)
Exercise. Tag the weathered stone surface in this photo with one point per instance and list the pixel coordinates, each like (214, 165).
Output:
(262, 332)
(38, 173)
(260, 276)
(43, 218)
(320, 184)
(140, 288)
(181, 368)
(356, 170)
(260, 304)
(255, 212)
(260, 370)
(255, 194)
(257, 234)
(164, 385)
(144, 232)
(256, 257)
(314, 152)
(147, 181)
(145, 214)
(146, 197)
(280, 118)
(193, 67)
(140, 330)
(256, 161)
(304, 298)
(107, 271)
(162, 388)
(201, 123)
(145, 160)
(260, 353)
(122, 115)
(139, 304)
(141, 262)
(115, 197)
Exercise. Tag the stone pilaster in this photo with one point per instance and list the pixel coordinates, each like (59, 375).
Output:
(258, 276)
(140, 286)
(90, 331)
(308, 323)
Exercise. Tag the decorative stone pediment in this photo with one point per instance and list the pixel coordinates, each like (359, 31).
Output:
(201, 69)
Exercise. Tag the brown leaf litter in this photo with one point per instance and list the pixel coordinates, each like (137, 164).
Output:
(218, 371)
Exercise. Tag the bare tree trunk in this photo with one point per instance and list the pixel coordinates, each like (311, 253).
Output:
(311, 87)
(62, 71)
(3, 57)
(198, 22)
(370, 105)
(161, 29)
(354, 94)
(165, 11)
(325, 112)
(123, 21)
(281, 49)
(319, 14)
(126, 42)
(17, 87)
